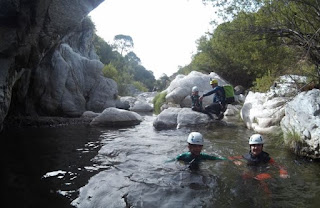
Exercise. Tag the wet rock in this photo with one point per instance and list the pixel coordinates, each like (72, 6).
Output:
(261, 113)
(140, 103)
(167, 119)
(116, 117)
(302, 121)
(89, 114)
(180, 117)
(141, 106)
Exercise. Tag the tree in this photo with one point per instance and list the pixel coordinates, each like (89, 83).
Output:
(295, 22)
(123, 43)
(103, 50)
(162, 82)
(132, 57)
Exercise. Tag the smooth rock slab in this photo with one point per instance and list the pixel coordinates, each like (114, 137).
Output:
(116, 117)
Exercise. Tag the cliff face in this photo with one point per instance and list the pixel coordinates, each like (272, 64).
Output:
(47, 63)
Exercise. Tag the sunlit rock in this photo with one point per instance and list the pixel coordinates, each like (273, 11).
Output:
(180, 117)
(301, 125)
(179, 90)
(263, 112)
(116, 117)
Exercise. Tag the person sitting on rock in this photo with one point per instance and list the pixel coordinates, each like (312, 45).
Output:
(196, 103)
(218, 105)
(194, 156)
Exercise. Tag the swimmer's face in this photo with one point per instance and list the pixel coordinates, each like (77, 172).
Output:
(195, 149)
(256, 149)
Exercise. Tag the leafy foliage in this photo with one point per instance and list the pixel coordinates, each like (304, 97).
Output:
(162, 82)
(262, 40)
(123, 43)
(125, 70)
(291, 23)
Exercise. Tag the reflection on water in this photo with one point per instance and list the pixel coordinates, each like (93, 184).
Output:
(100, 167)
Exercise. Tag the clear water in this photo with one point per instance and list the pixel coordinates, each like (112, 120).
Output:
(101, 167)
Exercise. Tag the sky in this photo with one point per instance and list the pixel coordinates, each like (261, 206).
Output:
(164, 32)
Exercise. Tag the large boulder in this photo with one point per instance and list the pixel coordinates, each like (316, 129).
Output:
(180, 117)
(114, 117)
(69, 84)
(263, 112)
(179, 90)
(301, 124)
(141, 103)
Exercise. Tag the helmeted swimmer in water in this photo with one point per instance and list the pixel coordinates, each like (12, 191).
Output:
(194, 156)
(257, 156)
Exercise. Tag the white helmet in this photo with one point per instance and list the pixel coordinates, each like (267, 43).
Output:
(195, 138)
(256, 139)
(195, 89)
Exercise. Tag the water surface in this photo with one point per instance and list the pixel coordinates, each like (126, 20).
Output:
(102, 167)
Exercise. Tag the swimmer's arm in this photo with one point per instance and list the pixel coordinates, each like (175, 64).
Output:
(171, 160)
(236, 160)
(282, 171)
(211, 157)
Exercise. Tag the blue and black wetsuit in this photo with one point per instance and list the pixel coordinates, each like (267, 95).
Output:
(262, 158)
(219, 100)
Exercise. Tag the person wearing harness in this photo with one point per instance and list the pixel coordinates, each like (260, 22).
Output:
(194, 156)
(257, 156)
(219, 104)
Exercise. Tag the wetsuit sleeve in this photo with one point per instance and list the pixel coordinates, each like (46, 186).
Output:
(180, 157)
(211, 157)
(209, 93)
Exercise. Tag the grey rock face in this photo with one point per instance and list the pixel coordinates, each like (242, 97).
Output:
(30, 32)
(301, 124)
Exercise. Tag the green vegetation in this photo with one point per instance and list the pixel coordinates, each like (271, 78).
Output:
(158, 101)
(259, 41)
(140, 86)
(125, 70)
(263, 84)
(292, 137)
